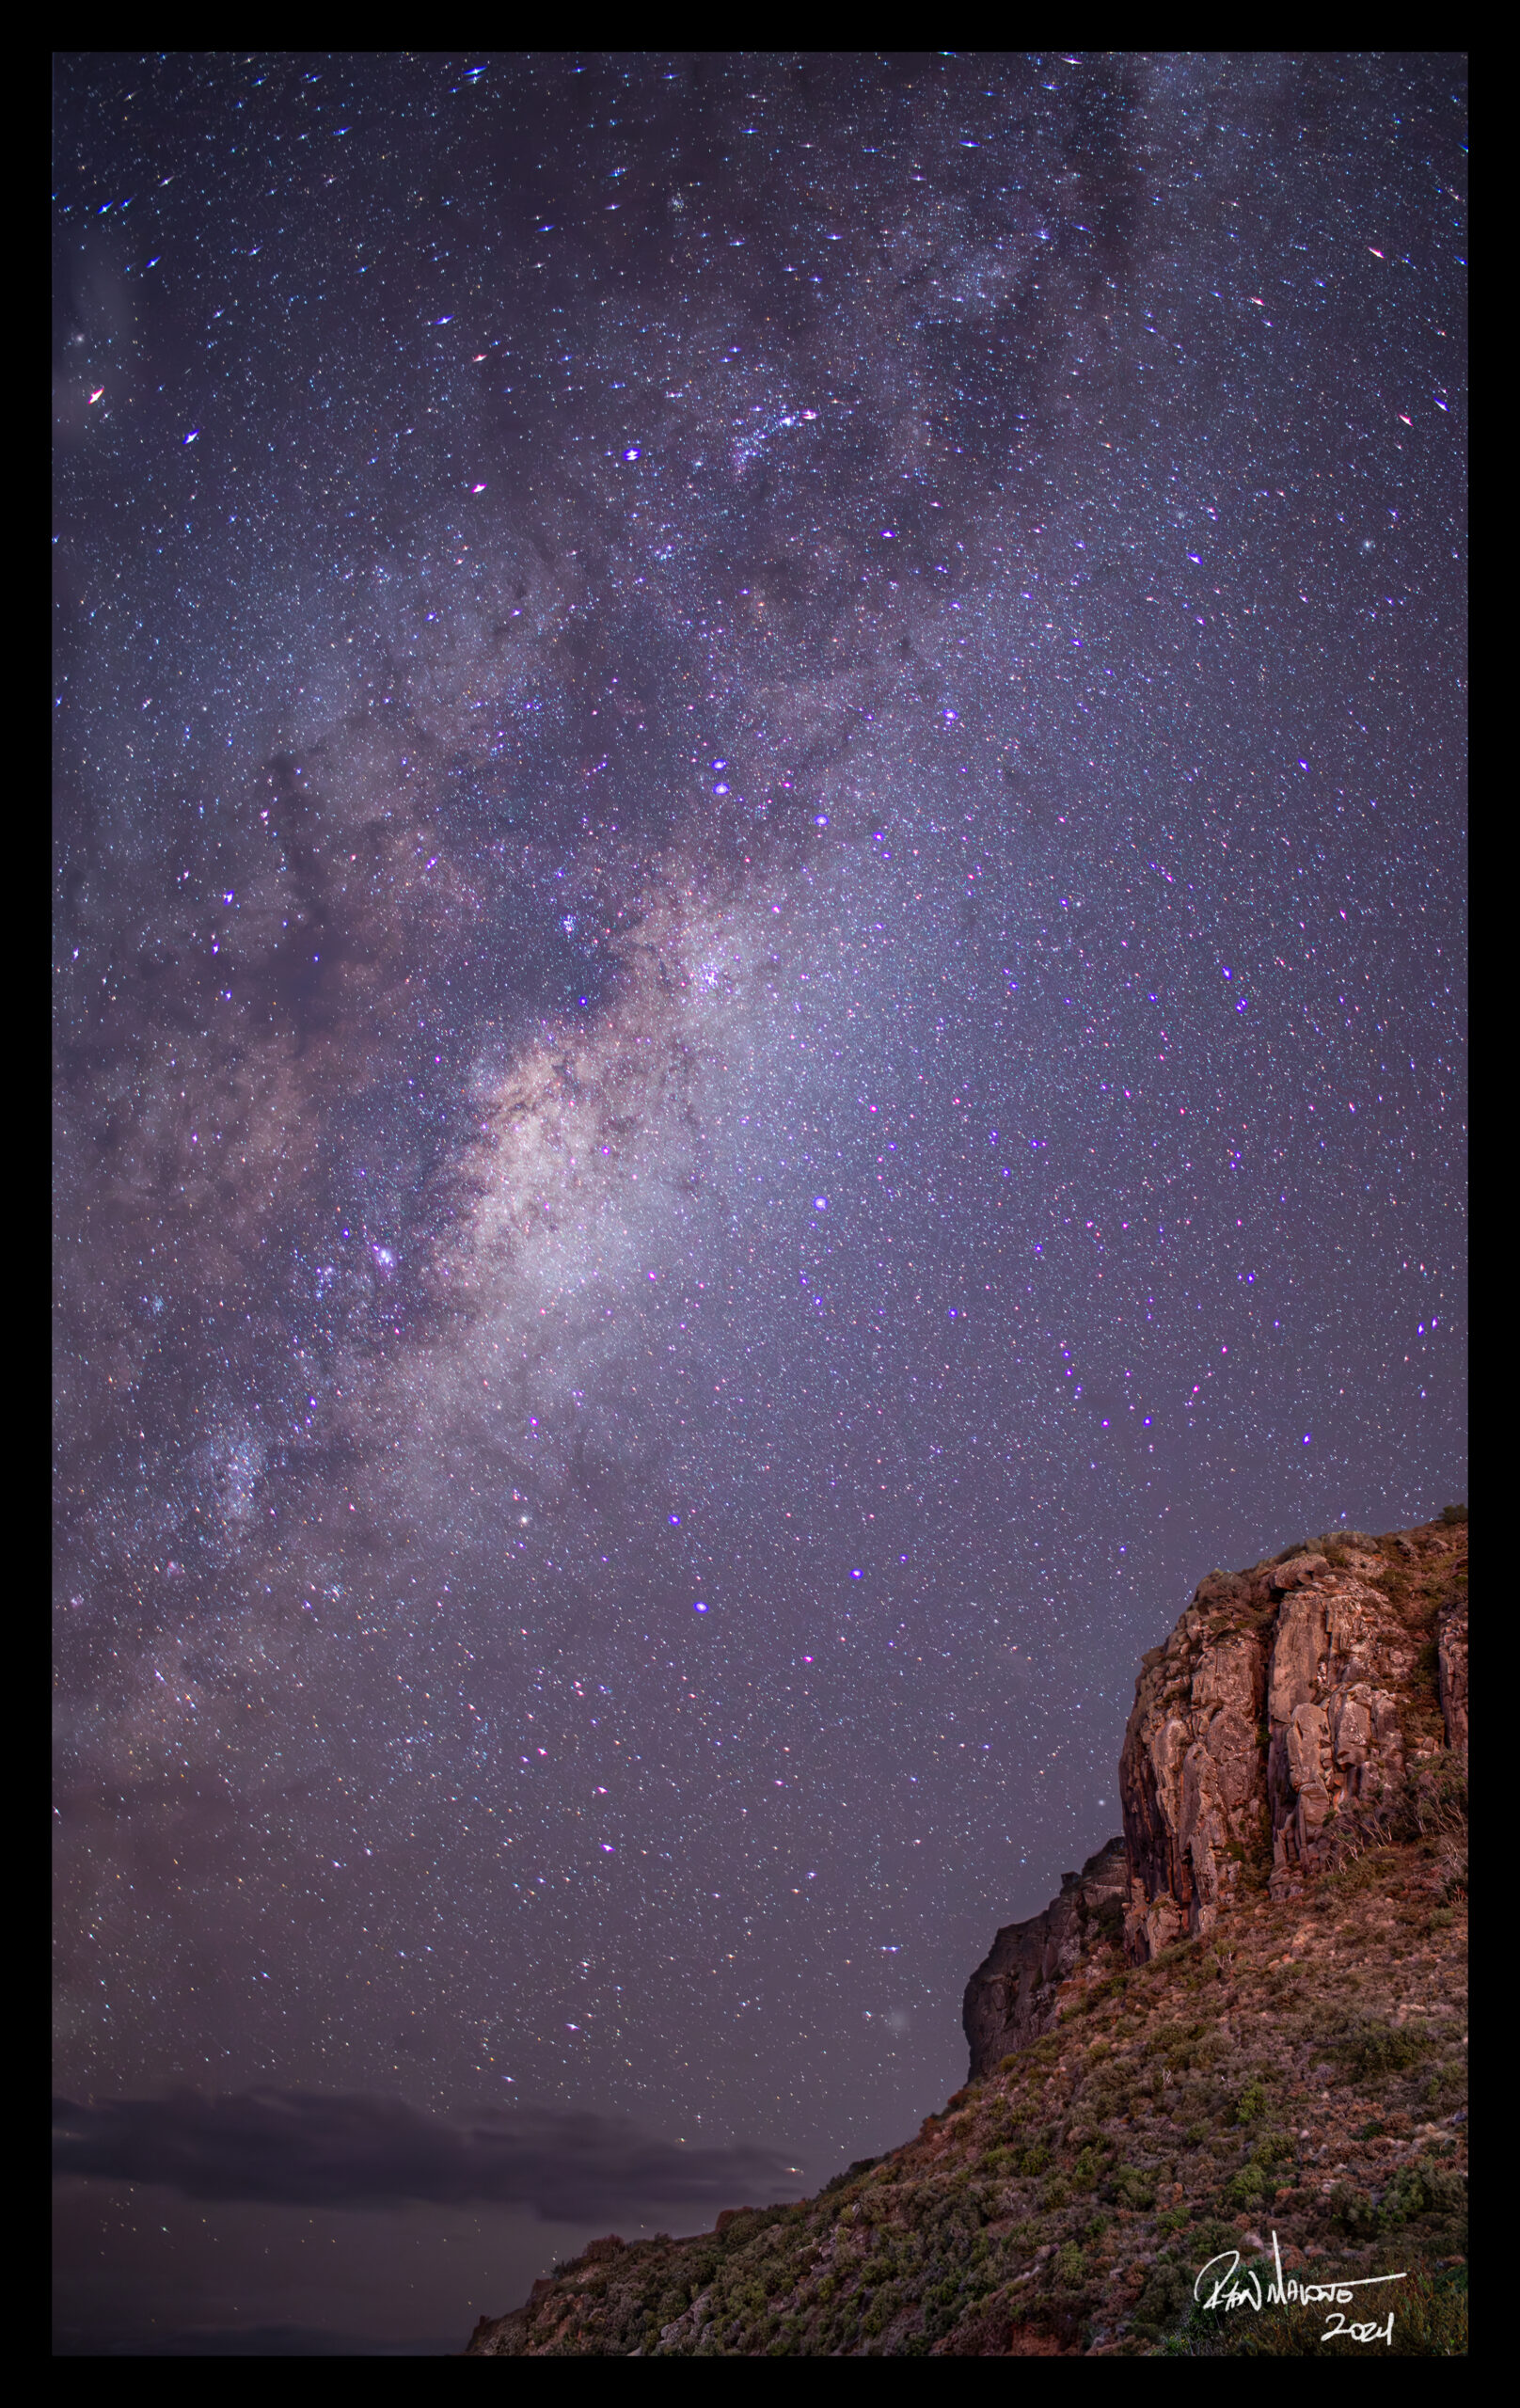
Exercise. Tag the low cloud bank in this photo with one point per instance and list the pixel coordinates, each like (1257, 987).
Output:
(348, 2150)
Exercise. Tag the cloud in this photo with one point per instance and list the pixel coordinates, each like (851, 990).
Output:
(347, 2150)
(154, 2339)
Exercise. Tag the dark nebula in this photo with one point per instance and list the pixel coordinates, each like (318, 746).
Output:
(759, 798)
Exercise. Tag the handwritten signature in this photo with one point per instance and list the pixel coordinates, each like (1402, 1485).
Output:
(1231, 2288)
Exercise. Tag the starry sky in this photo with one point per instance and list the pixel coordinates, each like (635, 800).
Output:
(759, 798)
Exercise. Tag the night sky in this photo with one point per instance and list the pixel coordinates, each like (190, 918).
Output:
(759, 796)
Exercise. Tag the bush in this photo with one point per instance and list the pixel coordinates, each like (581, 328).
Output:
(861, 2165)
(1166, 2298)
(1246, 2189)
(1388, 2048)
(1419, 2190)
(1104, 2098)
(1251, 2104)
(1452, 1514)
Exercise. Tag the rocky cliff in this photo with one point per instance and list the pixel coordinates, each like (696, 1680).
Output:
(1296, 1707)
(1284, 1720)
(1014, 1993)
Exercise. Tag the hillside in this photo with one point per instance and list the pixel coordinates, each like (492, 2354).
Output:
(1252, 2020)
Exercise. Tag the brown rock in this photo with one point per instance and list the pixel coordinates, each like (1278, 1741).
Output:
(1273, 1713)
(1011, 1998)
(1340, 1659)
(1451, 1644)
(1190, 1779)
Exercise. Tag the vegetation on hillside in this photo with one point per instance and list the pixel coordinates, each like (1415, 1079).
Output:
(1302, 2071)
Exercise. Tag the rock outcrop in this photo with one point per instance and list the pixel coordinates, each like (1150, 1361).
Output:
(1452, 1652)
(1292, 1704)
(1289, 1709)
(1011, 1998)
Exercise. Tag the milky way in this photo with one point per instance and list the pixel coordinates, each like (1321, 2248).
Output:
(760, 791)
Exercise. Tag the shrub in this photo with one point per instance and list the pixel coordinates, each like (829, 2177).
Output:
(1166, 2298)
(1251, 2104)
(1035, 2160)
(1452, 1514)
(1104, 2098)
(1354, 2211)
(1388, 2048)
(861, 2165)
(1421, 2189)
(1132, 2188)
(1246, 2189)
(1443, 2192)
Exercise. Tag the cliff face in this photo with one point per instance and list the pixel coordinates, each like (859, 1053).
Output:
(1286, 1714)
(1288, 1710)
(1012, 1996)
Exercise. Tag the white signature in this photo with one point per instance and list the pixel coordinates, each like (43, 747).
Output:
(1232, 2289)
